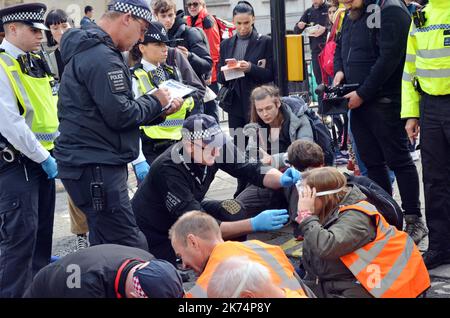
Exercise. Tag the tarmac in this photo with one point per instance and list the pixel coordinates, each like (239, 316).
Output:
(223, 187)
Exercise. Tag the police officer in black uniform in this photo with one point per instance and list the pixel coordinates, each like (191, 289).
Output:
(99, 120)
(107, 271)
(180, 178)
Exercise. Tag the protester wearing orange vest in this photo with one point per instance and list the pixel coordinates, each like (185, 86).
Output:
(197, 240)
(349, 250)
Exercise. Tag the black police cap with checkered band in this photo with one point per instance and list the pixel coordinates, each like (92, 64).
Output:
(205, 128)
(138, 8)
(31, 14)
(156, 33)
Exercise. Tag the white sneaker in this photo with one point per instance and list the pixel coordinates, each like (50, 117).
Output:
(82, 242)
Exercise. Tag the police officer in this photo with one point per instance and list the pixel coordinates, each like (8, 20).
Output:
(100, 120)
(426, 96)
(180, 178)
(107, 271)
(28, 127)
(148, 74)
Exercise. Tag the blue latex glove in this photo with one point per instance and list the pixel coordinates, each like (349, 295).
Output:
(141, 169)
(50, 167)
(290, 177)
(269, 220)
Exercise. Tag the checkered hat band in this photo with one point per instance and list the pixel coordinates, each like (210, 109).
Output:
(202, 134)
(139, 12)
(33, 16)
(138, 289)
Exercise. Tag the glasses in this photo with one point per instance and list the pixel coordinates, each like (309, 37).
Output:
(193, 4)
(143, 26)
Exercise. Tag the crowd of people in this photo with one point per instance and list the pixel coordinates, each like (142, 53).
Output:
(104, 98)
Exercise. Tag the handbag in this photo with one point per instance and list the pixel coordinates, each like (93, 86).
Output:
(225, 97)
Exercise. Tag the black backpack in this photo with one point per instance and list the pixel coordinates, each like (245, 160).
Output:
(322, 136)
(376, 195)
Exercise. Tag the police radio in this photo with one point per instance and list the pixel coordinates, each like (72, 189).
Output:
(97, 190)
(419, 19)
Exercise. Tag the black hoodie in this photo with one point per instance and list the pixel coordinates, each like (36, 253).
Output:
(196, 43)
(99, 119)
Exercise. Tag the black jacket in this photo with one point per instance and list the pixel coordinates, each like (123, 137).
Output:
(97, 266)
(374, 57)
(315, 16)
(170, 190)
(192, 39)
(99, 119)
(259, 49)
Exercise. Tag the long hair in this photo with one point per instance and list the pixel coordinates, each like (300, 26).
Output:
(55, 17)
(325, 179)
(260, 93)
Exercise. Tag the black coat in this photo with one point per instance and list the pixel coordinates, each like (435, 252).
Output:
(99, 119)
(192, 39)
(97, 266)
(374, 57)
(259, 48)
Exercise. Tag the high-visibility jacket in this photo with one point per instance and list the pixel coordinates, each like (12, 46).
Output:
(37, 98)
(170, 128)
(273, 257)
(427, 58)
(391, 265)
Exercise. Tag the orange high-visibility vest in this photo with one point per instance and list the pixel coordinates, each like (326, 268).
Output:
(390, 266)
(271, 256)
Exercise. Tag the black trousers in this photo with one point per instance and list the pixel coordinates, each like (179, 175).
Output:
(435, 151)
(152, 149)
(26, 224)
(115, 223)
(318, 75)
(211, 108)
(382, 143)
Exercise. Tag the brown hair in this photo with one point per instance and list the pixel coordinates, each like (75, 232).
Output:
(303, 154)
(197, 223)
(163, 6)
(261, 93)
(325, 179)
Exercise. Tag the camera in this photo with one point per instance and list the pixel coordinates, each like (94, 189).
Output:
(334, 102)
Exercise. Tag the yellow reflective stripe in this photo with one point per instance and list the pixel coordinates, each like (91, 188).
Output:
(286, 282)
(410, 58)
(407, 77)
(396, 270)
(441, 73)
(198, 292)
(434, 54)
(29, 110)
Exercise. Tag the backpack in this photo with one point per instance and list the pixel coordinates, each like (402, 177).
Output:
(384, 203)
(322, 136)
(226, 28)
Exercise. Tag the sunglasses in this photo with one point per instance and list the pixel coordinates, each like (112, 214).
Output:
(193, 4)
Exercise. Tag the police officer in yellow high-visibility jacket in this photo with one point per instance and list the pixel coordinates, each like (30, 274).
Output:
(146, 75)
(426, 104)
(28, 128)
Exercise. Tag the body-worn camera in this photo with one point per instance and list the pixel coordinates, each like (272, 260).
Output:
(334, 102)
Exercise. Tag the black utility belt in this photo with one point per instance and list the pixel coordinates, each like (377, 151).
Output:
(162, 144)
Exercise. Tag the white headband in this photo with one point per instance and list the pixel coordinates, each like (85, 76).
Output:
(320, 194)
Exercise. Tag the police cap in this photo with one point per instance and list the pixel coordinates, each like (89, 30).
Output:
(31, 14)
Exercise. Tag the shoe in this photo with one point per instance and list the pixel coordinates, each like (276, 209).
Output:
(82, 241)
(435, 258)
(415, 227)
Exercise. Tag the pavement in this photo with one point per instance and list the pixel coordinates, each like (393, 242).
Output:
(223, 187)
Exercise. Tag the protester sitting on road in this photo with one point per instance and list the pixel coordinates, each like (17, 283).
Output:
(107, 271)
(240, 277)
(275, 123)
(345, 238)
(180, 178)
(197, 241)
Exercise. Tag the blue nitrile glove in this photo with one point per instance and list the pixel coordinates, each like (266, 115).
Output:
(50, 167)
(269, 220)
(290, 177)
(142, 169)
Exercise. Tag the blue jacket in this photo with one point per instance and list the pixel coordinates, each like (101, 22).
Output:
(99, 118)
